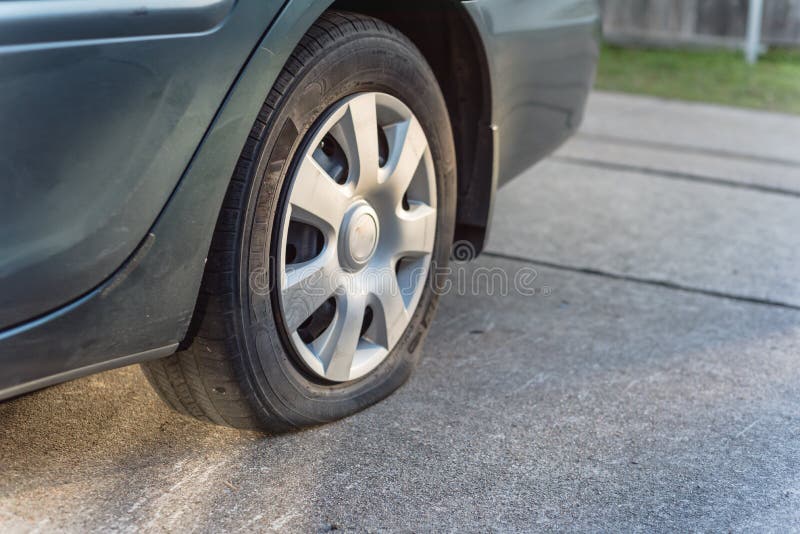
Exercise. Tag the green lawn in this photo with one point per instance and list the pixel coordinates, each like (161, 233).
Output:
(722, 77)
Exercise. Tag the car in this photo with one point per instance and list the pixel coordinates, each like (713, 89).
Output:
(251, 198)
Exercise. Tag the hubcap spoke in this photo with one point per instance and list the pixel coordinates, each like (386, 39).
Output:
(316, 199)
(416, 230)
(351, 308)
(358, 131)
(390, 315)
(307, 286)
(408, 144)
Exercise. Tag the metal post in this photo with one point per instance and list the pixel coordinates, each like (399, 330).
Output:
(754, 17)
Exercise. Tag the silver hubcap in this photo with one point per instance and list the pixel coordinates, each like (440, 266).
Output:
(357, 237)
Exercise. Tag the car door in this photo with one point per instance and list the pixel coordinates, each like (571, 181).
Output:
(102, 105)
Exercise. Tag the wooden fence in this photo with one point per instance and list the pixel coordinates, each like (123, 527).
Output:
(702, 22)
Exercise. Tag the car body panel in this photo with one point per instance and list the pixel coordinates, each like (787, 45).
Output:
(142, 307)
(542, 57)
(56, 23)
(103, 105)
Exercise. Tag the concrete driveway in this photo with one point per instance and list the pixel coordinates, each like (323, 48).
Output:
(651, 383)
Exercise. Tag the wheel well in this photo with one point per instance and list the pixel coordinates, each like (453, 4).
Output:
(446, 35)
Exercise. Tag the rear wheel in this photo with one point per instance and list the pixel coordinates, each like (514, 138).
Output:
(318, 293)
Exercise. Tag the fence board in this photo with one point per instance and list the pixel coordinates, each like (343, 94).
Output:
(699, 21)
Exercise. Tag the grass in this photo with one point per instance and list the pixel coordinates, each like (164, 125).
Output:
(716, 76)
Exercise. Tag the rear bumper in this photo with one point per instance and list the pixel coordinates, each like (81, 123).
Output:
(542, 58)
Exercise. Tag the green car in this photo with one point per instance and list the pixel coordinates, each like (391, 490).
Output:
(254, 199)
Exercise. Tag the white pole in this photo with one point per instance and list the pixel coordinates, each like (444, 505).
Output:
(754, 17)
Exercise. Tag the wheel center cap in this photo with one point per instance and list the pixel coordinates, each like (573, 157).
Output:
(360, 236)
(363, 235)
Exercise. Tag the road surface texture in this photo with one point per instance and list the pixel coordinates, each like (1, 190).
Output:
(651, 383)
